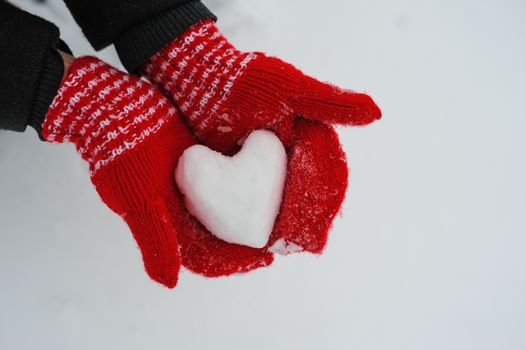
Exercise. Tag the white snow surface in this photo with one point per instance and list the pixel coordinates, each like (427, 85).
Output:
(429, 251)
(282, 247)
(236, 198)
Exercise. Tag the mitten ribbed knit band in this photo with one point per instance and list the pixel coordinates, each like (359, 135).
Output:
(104, 112)
(199, 71)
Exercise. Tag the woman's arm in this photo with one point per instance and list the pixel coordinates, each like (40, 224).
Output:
(138, 28)
(31, 68)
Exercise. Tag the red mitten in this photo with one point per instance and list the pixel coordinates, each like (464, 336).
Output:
(225, 94)
(132, 137)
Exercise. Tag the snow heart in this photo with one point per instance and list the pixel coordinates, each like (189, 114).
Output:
(236, 198)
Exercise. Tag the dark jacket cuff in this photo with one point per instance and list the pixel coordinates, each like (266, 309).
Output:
(50, 79)
(142, 41)
(25, 44)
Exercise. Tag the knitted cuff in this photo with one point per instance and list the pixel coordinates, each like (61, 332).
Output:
(104, 112)
(198, 71)
(25, 44)
(49, 83)
(142, 41)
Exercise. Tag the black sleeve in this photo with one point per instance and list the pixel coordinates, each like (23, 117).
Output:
(138, 28)
(30, 68)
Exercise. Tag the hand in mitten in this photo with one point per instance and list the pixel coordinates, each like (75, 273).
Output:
(224, 95)
(132, 137)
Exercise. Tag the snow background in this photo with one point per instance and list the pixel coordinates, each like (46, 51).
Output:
(429, 252)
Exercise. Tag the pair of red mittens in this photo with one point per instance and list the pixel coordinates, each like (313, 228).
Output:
(132, 137)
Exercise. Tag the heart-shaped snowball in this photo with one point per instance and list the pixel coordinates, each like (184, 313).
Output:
(236, 198)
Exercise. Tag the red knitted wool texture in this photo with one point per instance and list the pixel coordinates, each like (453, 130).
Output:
(132, 137)
(224, 95)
